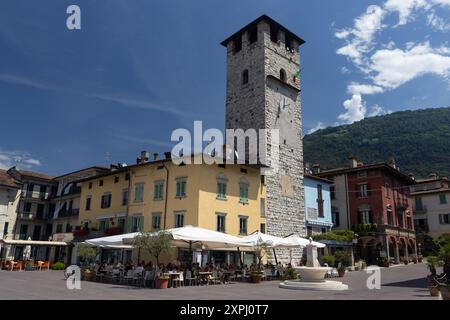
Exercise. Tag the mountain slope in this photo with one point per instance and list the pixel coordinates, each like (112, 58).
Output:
(419, 141)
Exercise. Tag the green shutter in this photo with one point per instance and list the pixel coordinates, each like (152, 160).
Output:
(129, 224)
(140, 223)
(178, 188)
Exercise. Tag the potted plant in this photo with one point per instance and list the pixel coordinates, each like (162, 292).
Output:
(290, 274)
(87, 274)
(260, 251)
(87, 253)
(154, 244)
(162, 281)
(343, 259)
(341, 270)
(444, 289)
(405, 261)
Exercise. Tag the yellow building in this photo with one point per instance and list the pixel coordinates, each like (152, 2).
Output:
(159, 194)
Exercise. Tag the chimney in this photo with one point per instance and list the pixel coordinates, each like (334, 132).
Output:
(168, 155)
(316, 168)
(433, 175)
(391, 162)
(155, 156)
(353, 161)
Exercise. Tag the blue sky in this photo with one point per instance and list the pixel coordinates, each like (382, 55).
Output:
(139, 69)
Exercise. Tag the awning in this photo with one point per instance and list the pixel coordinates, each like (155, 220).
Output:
(184, 237)
(109, 216)
(269, 240)
(32, 242)
(303, 242)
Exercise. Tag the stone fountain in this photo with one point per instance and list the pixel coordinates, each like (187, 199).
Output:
(312, 276)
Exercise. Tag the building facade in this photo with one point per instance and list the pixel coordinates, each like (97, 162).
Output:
(158, 194)
(317, 204)
(263, 92)
(374, 201)
(9, 200)
(431, 202)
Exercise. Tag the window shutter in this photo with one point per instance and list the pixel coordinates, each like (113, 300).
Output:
(359, 217)
(370, 217)
(358, 191)
(129, 224)
(441, 219)
(140, 223)
(368, 189)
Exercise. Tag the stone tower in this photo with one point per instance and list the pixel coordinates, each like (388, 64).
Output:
(263, 92)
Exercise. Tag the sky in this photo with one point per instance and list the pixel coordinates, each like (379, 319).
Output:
(139, 69)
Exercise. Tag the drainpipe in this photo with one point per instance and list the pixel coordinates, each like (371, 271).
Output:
(346, 202)
(166, 195)
(127, 212)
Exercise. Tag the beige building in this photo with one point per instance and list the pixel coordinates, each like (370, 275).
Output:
(158, 194)
(431, 206)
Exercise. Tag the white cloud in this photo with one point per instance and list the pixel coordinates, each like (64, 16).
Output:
(386, 65)
(20, 159)
(394, 68)
(364, 29)
(437, 22)
(355, 109)
(141, 104)
(319, 125)
(366, 89)
(376, 110)
(405, 8)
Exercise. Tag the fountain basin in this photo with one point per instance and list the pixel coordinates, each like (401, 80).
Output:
(312, 273)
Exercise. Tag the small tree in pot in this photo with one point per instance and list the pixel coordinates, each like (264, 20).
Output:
(86, 253)
(260, 251)
(155, 244)
(433, 262)
(343, 259)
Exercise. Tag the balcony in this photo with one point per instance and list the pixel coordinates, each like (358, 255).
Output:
(420, 210)
(68, 213)
(396, 231)
(113, 231)
(365, 229)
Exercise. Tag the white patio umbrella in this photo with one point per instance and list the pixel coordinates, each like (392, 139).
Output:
(271, 241)
(116, 241)
(302, 242)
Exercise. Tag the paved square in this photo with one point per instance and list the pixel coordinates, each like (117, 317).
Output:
(397, 283)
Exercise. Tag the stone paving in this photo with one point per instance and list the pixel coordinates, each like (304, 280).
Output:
(397, 283)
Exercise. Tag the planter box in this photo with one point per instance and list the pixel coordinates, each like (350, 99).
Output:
(255, 278)
(161, 283)
(87, 276)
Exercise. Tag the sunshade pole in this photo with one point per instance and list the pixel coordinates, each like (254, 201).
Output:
(240, 256)
(275, 255)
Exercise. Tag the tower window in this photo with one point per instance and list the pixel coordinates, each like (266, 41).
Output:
(253, 34)
(245, 76)
(237, 44)
(288, 42)
(283, 75)
(273, 33)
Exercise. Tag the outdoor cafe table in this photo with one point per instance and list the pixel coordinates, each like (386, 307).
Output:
(171, 275)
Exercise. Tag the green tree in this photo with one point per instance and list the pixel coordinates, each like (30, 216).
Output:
(154, 243)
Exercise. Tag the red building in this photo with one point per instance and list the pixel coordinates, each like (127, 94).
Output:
(374, 201)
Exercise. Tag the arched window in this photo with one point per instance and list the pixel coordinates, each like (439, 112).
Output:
(245, 76)
(243, 190)
(283, 75)
(222, 186)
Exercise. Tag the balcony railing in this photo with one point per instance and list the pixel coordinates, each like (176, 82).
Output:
(68, 213)
(364, 228)
(420, 210)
